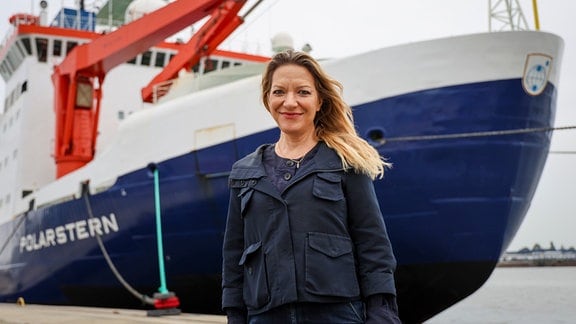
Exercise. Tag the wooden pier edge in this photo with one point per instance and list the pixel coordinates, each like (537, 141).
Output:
(48, 314)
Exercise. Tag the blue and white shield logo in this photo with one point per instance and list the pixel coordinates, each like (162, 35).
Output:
(536, 72)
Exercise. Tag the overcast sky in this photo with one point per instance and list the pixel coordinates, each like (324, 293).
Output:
(340, 28)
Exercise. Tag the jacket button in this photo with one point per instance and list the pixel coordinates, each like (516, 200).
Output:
(287, 176)
(252, 182)
(290, 163)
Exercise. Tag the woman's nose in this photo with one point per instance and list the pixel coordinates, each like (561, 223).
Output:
(290, 100)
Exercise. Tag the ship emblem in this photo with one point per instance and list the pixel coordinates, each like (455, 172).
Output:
(536, 73)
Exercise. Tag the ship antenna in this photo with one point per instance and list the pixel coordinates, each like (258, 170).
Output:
(251, 9)
(536, 19)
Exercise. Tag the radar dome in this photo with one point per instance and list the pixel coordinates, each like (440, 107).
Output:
(138, 8)
(282, 42)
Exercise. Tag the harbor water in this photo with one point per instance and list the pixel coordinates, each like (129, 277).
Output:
(511, 295)
(518, 295)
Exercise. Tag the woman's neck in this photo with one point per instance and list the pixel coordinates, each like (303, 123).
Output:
(290, 147)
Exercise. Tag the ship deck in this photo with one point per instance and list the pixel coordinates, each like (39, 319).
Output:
(44, 314)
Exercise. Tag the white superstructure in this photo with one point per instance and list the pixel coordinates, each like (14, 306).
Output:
(27, 123)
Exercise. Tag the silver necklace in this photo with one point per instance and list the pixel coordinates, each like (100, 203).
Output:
(298, 161)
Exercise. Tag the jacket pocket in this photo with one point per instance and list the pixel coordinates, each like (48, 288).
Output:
(327, 186)
(256, 293)
(330, 266)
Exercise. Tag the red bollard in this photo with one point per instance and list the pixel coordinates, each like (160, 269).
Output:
(165, 304)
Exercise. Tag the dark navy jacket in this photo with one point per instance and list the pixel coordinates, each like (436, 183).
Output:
(322, 239)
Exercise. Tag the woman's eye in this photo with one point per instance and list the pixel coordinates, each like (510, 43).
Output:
(304, 92)
(277, 92)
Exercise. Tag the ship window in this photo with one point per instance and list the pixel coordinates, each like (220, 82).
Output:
(57, 49)
(210, 65)
(13, 60)
(225, 64)
(70, 46)
(146, 58)
(4, 72)
(160, 57)
(10, 63)
(26, 43)
(6, 67)
(42, 49)
(195, 68)
(24, 87)
(21, 52)
(16, 54)
(133, 60)
(171, 57)
(237, 63)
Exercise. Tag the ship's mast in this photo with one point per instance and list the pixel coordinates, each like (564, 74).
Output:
(506, 15)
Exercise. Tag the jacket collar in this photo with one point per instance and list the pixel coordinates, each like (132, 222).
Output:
(251, 166)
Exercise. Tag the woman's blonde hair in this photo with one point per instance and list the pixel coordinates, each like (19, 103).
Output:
(334, 123)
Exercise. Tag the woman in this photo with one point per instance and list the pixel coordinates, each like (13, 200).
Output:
(305, 241)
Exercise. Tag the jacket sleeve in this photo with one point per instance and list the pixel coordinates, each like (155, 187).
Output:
(375, 258)
(232, 273)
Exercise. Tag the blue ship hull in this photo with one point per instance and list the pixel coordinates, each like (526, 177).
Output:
(451, 206)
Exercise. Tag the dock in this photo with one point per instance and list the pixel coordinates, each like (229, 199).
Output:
(48, 314)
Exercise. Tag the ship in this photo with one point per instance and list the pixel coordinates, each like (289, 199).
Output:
(116, 145)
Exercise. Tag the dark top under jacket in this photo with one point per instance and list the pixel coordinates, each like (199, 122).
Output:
(321, 239)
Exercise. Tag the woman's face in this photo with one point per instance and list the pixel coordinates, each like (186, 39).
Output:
(293, 100)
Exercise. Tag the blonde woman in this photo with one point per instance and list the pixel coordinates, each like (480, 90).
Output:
(305, 240)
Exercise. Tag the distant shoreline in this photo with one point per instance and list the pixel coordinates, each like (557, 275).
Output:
(537, 263)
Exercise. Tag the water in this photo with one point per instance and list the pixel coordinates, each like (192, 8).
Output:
(518, 295)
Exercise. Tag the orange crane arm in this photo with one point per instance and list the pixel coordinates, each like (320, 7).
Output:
(126, 42)
(78, 78)
(224, 20)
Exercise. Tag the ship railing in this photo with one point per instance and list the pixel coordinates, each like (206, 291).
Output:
(161, 89)
(108, 25)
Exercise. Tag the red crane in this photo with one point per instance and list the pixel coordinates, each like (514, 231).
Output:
(224, 20)
(78, 79)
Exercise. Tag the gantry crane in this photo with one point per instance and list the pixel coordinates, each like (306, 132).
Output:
(79, 77)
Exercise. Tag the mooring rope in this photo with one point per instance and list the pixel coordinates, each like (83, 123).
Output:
(145, 299)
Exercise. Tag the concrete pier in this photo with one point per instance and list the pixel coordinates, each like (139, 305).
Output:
(43, 314)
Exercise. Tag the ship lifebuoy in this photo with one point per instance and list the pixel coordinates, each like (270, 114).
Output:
(24, 19)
